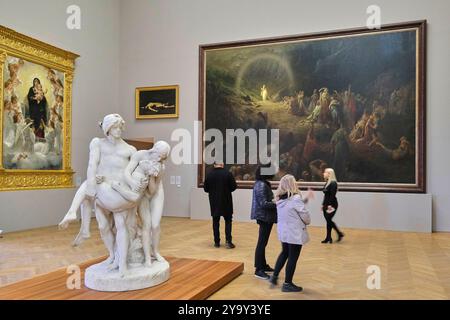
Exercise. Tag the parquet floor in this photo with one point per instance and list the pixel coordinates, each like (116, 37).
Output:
(413, 265)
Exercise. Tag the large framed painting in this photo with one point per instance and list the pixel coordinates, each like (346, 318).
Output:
(157, 102)
(352, 100)
(35, 118)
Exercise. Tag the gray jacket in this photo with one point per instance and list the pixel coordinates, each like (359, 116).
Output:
(293, 217)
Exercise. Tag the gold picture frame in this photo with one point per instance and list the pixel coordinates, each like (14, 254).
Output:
(158, 102)
(52, 66)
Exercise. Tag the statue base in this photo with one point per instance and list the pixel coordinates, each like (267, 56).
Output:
(98, 277)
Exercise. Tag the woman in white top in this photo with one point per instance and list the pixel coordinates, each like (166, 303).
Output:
(293, 217)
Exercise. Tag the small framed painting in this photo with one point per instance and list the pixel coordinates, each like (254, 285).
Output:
(157, 102)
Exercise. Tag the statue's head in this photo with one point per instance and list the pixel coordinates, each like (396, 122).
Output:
(162, 148)
(112, 124)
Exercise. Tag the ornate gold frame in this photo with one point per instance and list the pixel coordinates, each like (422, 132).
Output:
(162, 116)
(19, 45)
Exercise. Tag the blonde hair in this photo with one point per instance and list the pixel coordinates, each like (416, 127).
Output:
(288, 186)
(331, 176)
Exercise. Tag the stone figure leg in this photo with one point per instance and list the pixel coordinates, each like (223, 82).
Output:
(104, 225)
(71, 215)
(86, 213)
(134, 237)
(145, 215)
(156, 209)
(122, 240)
(132, 225)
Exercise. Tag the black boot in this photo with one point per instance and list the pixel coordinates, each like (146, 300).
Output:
(340, 236)
(290, 287)
(327, 241)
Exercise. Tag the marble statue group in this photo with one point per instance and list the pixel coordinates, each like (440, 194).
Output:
(124, 190)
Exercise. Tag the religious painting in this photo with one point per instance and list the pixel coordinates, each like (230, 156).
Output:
(352, 100)
(157, 102)
(36, 81)
(33, 115)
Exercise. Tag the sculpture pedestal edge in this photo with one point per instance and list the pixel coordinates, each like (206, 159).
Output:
(98, 277)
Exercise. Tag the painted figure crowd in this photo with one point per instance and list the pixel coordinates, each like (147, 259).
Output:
(337, 124)
(32, 130)
(354, 123)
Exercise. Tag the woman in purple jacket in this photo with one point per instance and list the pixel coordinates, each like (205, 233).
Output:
(293, 217)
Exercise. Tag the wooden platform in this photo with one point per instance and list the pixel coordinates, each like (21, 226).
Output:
(190, 279)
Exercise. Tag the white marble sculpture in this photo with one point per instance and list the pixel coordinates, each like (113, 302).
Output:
(124, 189)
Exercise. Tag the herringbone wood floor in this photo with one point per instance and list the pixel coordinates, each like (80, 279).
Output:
(413, 265)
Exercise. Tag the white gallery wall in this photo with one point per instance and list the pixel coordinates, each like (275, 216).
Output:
(368, 210)
(95, 91)
(125, 44)
(159, 45)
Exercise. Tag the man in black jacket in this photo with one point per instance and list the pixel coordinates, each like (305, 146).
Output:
(219, 184)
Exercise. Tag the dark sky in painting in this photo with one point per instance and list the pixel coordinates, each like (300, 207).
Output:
(358, 61)
(366, 62)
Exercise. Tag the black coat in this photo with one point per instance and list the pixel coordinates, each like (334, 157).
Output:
(219, 184)
(329, 192)
(262, 206)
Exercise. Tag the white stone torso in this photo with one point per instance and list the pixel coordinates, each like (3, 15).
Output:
(114, 159)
